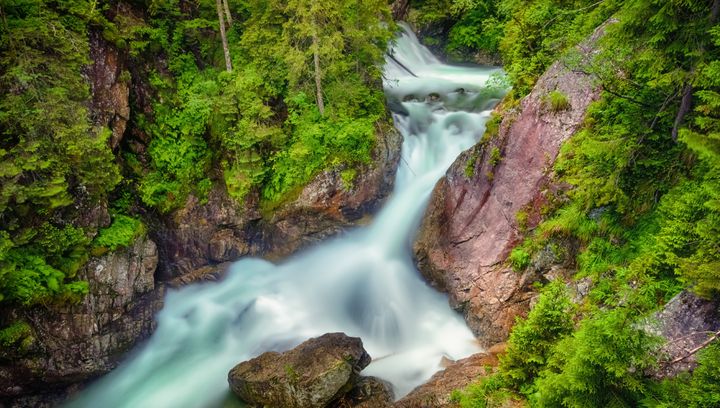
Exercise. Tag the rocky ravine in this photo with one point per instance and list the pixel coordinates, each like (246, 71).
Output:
(470, 226)
(73, 344)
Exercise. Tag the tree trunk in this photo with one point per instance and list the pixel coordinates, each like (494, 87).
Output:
(685, 104)
(226, 50)
(227, 12)
(318, 74)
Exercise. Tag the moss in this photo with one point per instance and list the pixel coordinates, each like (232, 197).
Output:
(348, 178)
(18, 335)
(470, 165)
(121, 233)
(495, 156)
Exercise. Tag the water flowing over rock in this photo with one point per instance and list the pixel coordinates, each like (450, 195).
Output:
(362, 282)
(308, 376)
(470, 226)
(76, 342)
(221, 230)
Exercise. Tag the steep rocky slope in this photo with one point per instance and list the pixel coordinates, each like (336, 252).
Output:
(470, 225)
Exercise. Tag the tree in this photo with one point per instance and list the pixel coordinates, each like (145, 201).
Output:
(223, 37)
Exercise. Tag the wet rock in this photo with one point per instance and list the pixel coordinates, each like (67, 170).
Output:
(73, 343)
(437, 391)
(470, 225)
(311, 375)
(328, 204)
(206, 233)
(686, 323)
(367, 392)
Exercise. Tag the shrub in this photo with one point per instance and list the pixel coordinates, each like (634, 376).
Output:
(519, 259)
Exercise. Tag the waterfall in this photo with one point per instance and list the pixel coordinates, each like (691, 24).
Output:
(363, 283)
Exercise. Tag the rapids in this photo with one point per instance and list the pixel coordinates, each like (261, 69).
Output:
(363, 283)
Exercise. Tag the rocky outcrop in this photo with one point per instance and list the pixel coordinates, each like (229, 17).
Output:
(470, 224)
(110, 83)
(326, 206)
(687, 323)
(436, 393)
(73, 343)
(311, 375)
(221, 230)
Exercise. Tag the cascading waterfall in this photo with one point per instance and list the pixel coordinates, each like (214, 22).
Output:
(363, 283)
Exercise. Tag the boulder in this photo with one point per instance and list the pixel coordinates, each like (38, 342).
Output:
(686, 323)
(311, 375)
(368, 392)
(470, 225)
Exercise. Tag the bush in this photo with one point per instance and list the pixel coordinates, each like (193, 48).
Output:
(519, 259)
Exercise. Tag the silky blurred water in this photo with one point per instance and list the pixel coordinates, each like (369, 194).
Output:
(363, 283)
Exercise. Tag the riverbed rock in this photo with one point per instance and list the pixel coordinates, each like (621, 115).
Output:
(686, 323)
(72, 343)
(367, 392)
(470, 225)
(437, 391)
(311, 375)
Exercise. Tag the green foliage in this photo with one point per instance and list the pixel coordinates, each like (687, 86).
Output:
(495, 156)
(641, 219)
(600, 365)
(18, 335)
(519, 259)
(488, 392)
(556, 101)
(348, 178)
(532, 339)
(121, 233)
(703, 391)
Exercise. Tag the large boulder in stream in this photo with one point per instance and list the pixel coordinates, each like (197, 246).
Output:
(470, 225)
(311, 375)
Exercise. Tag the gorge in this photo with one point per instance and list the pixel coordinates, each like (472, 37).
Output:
(187, 185)
(362, 283)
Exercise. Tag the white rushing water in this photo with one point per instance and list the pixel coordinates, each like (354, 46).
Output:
(363, 283)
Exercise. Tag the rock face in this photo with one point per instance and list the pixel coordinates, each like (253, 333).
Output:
(110, 83)
(470, 225)
(311, 375)
(77, 342)
(686, 323)
(436, 392)
(220, 230)
(326, 206)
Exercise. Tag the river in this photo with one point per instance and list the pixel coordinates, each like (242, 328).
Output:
(363, 283)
